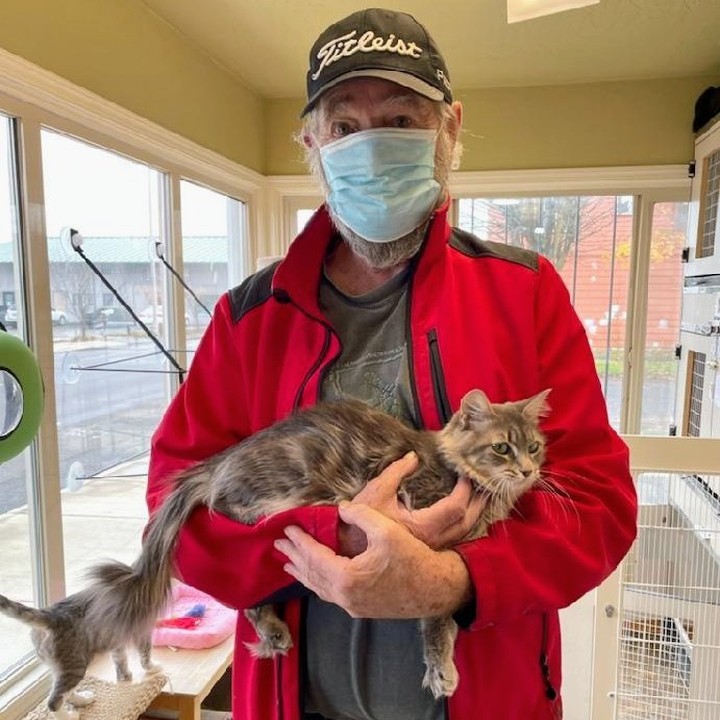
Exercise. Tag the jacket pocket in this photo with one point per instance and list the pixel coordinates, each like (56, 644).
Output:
(438, 378)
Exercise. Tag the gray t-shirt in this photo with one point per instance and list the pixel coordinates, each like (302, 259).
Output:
(367, 669)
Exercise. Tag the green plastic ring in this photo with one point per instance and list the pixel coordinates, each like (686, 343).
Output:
(17, 359)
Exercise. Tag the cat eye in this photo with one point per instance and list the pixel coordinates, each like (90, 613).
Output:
(501, 448)
(533, 447)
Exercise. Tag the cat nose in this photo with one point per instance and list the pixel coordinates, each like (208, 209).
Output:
(527, 473)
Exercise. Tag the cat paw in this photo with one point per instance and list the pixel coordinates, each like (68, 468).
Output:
(441, 681)
(276, 643)
(124, 677)
(81, 698)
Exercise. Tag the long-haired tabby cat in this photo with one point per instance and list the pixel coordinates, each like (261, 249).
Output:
(323, 455)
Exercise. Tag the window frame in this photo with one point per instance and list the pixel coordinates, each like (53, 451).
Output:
(36, 99)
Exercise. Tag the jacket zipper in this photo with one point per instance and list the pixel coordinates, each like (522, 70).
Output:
(313, 369)
(438, 378)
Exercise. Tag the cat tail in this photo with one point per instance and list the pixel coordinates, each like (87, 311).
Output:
(131, 599)
(28, 615)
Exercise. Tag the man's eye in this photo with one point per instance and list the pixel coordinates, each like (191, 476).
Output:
(341, 129)
(501, 448)
(402, 121)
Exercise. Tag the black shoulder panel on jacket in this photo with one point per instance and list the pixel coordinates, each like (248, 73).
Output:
(253, 291)
(472, 246)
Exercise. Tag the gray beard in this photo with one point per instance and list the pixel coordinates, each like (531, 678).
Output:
(381, 256)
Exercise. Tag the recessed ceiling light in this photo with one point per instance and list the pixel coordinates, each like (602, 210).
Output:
(519, 10)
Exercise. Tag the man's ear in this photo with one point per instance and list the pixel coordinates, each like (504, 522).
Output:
(307, 140)
(455, 125)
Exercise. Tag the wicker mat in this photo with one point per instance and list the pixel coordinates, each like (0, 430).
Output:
(124, 701)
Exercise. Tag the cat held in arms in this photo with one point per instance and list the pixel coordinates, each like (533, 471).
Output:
(321, 455)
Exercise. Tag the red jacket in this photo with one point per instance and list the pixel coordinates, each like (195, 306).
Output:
(480, 315)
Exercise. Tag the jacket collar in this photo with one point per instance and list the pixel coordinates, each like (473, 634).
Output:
(298, 275)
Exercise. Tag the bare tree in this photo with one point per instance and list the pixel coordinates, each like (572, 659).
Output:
(74, 282)
(551, 226)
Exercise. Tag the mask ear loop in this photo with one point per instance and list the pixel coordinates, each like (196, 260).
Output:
(22, 386)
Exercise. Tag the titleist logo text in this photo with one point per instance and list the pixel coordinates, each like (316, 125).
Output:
(347, 45)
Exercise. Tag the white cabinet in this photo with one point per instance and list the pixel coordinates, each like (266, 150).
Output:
(698, 400)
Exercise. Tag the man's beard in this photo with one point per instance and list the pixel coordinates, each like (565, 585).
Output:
(389, 254)
(381, 255)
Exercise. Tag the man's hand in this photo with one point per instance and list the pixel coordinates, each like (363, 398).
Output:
(442, 525)
(397, 576)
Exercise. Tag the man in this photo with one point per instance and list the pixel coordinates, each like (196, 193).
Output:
(379, 298)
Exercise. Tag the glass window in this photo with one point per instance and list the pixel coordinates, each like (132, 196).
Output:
(16, 560)
(301, 218)
(588, 240)
(110, 375)
(664, 304)
(214, 257)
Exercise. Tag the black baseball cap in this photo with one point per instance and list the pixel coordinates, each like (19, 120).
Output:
(377, 43)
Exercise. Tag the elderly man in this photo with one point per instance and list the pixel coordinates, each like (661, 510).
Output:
(379, 298)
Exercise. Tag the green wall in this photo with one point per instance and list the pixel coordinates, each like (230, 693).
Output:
(564, 126)
(121, 51)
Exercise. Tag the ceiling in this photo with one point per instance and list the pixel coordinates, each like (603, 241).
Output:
(264, 43)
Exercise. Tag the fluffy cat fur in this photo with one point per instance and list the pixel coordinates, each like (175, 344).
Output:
(67, 638)
(321, 455)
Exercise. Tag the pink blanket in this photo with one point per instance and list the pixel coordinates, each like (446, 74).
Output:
(193, 620)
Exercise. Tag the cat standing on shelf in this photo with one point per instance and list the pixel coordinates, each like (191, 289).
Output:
(324, 455)
(67, 636)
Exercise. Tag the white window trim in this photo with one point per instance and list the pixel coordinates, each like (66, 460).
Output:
(39, 98)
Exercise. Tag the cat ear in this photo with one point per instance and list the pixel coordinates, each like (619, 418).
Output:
(537, 407)
(475, 406)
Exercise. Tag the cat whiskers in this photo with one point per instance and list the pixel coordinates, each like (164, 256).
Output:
(557, 494)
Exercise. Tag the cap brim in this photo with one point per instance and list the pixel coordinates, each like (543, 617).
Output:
(401, 78)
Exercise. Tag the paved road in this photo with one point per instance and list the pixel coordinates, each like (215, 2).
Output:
(109, 400)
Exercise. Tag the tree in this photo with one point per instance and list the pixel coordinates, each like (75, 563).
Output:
(551, 226)
(74, 282)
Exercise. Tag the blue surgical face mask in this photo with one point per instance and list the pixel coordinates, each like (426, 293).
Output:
(381, 181)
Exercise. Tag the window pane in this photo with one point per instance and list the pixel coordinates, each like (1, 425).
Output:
(588, 240)
(665, 285)
(301, 218)
(16, 562)
(214, 256)
(110, 376)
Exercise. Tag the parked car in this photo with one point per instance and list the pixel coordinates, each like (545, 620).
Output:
(11, 316)
(58, 317)
(154, 314)
(108, 317)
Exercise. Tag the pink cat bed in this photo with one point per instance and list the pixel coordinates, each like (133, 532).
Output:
(193, 620)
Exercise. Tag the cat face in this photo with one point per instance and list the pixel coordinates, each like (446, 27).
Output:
(498, 446)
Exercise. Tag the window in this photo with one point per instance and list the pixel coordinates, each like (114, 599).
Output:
(664, 303)
(110, 377)
(588, 241)
(213, 248)
(111, 382)
(16, 562)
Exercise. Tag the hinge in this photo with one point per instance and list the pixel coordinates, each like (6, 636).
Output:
(678, 352)
(685, 257)
(673, 430)
(691, 169)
